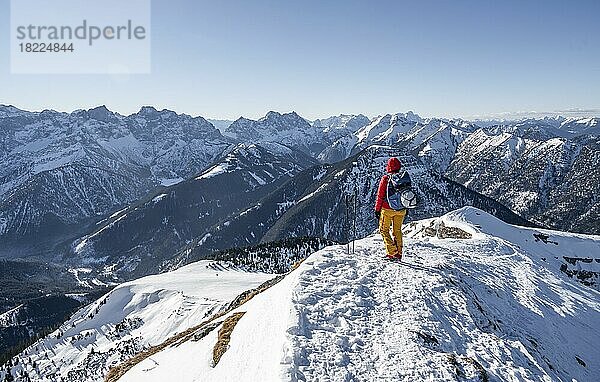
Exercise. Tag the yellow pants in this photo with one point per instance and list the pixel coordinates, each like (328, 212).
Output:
(390, 218)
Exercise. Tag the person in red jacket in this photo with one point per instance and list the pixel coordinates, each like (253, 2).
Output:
(388, 217)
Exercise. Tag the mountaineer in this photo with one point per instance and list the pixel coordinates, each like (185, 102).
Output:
(390, 208)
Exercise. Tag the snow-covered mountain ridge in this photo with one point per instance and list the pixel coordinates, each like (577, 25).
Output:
(61, 172)
(136, 240)
(474, 299)
(479, 309)
(538, 167)
(553, 181)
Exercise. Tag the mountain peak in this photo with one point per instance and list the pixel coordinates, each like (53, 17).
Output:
(282, 118)
(243, 119)
(408, 116)
(11, 108)
(101, 113)
(271, 114)
(411, 116)
(147, 111)
(271, 124)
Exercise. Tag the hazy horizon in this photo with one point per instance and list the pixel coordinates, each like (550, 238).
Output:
(567, 113)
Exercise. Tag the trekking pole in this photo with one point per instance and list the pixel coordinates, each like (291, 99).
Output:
(354, 221)
(347, 205)
(354, 165)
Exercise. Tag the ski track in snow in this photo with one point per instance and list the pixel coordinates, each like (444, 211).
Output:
(431, 318)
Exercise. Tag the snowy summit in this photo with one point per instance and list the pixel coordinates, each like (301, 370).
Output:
(474, 299)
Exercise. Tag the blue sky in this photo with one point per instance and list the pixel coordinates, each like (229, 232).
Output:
(224, 59)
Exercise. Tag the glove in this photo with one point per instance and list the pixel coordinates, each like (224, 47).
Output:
(377, 215)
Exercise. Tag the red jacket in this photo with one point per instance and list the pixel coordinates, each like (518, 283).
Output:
(381, 194)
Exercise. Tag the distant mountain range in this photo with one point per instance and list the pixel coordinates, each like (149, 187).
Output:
(65, 175)
(60, 173)
(68, 179)
(101, 198)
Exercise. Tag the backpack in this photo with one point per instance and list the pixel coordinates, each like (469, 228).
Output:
(398, 184)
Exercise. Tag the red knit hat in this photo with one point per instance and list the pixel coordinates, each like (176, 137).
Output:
(393, 165)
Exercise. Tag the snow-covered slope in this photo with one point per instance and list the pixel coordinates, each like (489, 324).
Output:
(132, 317)
(136, 240)
(549, 127)
(474, 299)
(474, 309)
(339, 132)
(288, 128)
(320, 209)
(552, 181)
(342, 122)
(61, 172)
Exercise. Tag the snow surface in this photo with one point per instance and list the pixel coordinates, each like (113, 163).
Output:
(487, 308)
(136, 315)
(158, 198)
(170, 181)
(310, 195)
(218, 169)
(9, 318)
